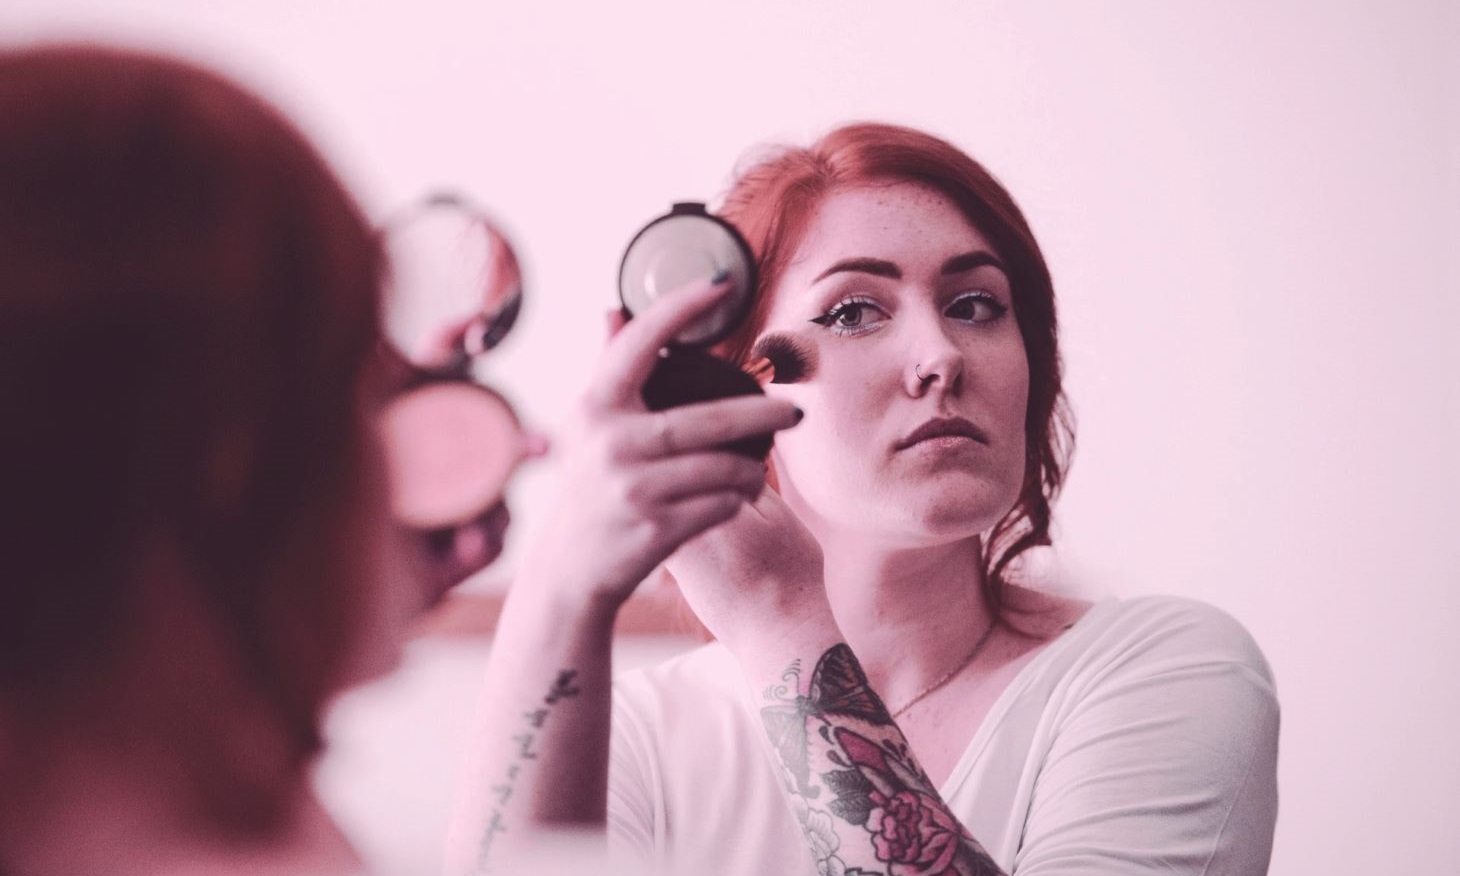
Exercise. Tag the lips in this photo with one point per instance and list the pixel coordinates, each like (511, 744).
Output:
(943, 427)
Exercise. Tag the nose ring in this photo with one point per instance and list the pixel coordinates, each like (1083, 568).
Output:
(917, 370)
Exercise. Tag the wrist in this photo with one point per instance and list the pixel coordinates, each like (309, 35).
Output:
(541, 598)
(766, 651)
(569, 583)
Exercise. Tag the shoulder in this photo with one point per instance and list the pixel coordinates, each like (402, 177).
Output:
(703, 679)
(1158, 731)
(1169, 651)
(668, 716)
(1169, 629)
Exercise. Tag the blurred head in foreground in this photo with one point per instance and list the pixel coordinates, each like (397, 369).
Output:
(193, 498)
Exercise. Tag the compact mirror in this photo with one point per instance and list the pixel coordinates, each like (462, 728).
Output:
(456, 285)
(685, 245)
(454, 291)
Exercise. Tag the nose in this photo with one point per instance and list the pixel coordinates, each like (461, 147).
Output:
(935, 363)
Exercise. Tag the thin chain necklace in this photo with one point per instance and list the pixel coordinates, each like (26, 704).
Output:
(948, 676)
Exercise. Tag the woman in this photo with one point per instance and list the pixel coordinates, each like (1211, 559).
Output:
(198, 548)
(882, 696)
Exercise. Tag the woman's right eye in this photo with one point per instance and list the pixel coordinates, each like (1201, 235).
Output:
(849, 316)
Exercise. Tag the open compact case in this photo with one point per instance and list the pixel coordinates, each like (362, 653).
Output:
(452, 441)
(669, 254)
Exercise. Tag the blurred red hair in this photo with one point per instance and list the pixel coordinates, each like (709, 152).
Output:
(189, 306)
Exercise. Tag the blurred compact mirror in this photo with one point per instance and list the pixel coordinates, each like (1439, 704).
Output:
(454, 291)
(456, 286)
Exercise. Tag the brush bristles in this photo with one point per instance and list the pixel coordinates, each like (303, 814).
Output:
(780, 358)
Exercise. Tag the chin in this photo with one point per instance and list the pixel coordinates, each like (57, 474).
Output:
(957, 511)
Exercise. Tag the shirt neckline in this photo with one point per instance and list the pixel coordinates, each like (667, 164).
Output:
(1016, 688)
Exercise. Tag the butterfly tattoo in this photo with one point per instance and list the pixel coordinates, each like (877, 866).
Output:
(838, 688)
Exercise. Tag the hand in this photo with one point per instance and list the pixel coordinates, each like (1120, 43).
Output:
(755, 577)
(446, 557)
(637, 484)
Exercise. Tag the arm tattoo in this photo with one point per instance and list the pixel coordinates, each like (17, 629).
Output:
(533, 721)
(857, 790)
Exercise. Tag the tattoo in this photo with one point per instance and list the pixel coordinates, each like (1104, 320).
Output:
(839, 739)
(562, 689)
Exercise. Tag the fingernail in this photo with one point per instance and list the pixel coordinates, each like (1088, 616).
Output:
(799, 414)
(720, 276)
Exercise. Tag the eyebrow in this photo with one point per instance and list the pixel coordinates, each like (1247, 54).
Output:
(875, 267)
(970, 260)
(881, 268)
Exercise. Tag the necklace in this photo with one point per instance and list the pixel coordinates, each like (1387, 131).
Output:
(948, 676)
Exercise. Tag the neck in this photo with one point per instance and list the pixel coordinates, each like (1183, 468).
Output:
(910, 613)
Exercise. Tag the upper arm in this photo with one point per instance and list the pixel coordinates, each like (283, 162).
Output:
(1164, 760)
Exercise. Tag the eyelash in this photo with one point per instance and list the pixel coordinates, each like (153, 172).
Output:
(998, 307)
(829, 319)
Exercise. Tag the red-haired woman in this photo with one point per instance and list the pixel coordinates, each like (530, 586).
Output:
(882, 695)
(196, 539)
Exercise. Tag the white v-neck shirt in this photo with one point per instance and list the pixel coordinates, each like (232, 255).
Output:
(1142, 740)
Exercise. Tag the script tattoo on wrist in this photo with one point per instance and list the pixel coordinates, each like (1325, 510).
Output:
(846, 763)
(533, 721)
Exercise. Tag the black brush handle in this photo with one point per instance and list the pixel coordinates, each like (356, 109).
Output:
(686, 376)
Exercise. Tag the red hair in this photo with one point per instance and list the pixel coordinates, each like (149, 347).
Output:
(188, 313)
(773, 201)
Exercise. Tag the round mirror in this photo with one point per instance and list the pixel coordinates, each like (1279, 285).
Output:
(682, 246)
(456, 288)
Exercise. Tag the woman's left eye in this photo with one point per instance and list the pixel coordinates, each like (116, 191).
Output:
(976, 307)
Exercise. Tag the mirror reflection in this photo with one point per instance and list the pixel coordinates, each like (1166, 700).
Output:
(455, 287)
(453, 294)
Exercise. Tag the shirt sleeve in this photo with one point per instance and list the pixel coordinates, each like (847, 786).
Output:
(630, 798)
(1165, 757)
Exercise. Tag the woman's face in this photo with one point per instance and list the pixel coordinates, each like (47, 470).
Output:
(890, 282)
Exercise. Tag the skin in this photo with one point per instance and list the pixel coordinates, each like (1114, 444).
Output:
(842, 473)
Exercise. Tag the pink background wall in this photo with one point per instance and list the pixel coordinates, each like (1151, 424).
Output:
(1251, 211)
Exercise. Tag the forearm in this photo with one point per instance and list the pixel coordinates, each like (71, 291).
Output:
(541, 748)
(854, 784)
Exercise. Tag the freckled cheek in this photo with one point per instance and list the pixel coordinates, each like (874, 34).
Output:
(847, 403)
(831, 444)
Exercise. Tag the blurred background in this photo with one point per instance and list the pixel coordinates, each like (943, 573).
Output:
(1252, 214)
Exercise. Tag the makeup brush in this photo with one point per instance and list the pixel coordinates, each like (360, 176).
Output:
(780, 358)
(688, 376)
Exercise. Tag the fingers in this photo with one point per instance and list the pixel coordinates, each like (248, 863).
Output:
(682, 477)
(632, 352)
(696, 514)
(708, 425)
